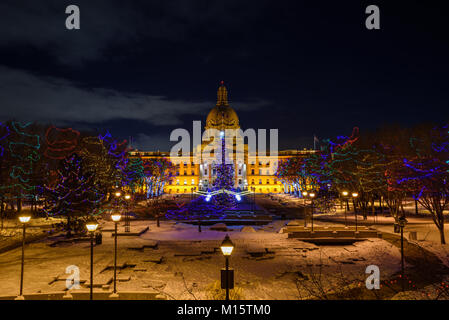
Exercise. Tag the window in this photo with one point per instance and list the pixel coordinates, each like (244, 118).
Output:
(268, 172)
(260, 181)
(185, 172)
(185, 181)
(252, 181)
(193, 173)
(268, 181)
(252, 171)
(177, 183)
(240, 172)
(260, 171)
(240, 181)
(193, 182)
(205, 171)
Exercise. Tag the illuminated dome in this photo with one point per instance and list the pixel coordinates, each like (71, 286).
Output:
(222, 116)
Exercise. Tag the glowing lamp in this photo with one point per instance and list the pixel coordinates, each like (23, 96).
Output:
(91, 225)
(227, 246)
(24, 218)
(116, 217)
(238, 197)
(118, 194)
(344, 193)
(355, 194)
(312, 195)
(127, 197)
(305, 193)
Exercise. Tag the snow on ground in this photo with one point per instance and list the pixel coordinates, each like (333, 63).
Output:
(185, 262)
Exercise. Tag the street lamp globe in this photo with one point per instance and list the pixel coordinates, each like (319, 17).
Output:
(345, 193)
(91, 225)
(227, 246)
(304, 193)
(312, 195)
(24, 218)
(116, 217)
(127, 197)
(355, 194)
(118, 194)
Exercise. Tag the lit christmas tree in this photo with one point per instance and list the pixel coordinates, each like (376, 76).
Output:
(224, 180)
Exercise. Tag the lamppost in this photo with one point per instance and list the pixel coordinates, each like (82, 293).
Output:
(345, 197)
(304, 194)
(228, 275)
(24, 219)
(127, 224)
(118, 194)
(354, 196)
(91, 226)
(312, 195)
(254, 199)
(116, 218)
(402, 222)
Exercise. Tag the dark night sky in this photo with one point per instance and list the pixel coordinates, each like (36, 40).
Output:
(144, 68)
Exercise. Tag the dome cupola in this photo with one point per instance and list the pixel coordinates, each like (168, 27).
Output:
(222, 116)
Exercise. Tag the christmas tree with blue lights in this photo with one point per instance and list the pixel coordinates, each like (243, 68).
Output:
(224, 180)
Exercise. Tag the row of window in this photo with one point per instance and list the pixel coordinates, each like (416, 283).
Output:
(185, 164)
(185, 182)
(259, 190)
(185, 173)
(267, 172)
(268, 181)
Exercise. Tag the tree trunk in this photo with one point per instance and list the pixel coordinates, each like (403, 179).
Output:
(443, 240)
(69, 226)
(2, 211)
(19, 205)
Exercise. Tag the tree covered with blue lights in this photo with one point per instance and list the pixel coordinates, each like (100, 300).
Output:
(224, 180)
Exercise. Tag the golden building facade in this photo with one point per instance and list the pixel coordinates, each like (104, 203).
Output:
(252, 171)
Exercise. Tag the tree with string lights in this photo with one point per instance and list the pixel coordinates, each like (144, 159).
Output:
(224, 179)
(73, 193)
(428, 172)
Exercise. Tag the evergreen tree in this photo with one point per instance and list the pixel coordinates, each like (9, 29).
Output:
(73, 193)
(224, 180)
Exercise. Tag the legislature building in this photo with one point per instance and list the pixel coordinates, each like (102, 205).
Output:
(252, 171)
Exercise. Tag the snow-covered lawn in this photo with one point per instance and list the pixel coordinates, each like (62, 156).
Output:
(185, 262)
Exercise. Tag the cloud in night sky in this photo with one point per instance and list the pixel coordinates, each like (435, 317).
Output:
(143, 68)
(26, 96)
